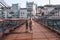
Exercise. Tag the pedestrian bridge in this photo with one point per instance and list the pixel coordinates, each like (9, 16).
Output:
(39, 32)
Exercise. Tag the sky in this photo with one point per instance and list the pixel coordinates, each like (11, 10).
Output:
(38, 2)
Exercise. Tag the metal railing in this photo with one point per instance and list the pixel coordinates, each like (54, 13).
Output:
(52, 23)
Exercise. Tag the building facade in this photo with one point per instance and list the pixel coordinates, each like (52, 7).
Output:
(48, 9)
(1, 13)
(6, 12)
(23, 13)
(4, 9)
(39, 8)
(31, 8)
(15, 9)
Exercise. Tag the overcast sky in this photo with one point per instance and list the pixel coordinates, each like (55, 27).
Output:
(38, 2)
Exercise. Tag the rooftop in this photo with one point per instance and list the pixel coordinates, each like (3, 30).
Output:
(40, 6)
(23, 8)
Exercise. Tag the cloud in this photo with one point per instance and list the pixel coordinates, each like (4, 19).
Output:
(38, 2)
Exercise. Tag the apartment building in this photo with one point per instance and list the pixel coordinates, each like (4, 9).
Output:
(31, 8)
(23, 12)
(15, 9)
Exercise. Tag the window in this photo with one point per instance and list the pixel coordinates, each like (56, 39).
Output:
(23, 12)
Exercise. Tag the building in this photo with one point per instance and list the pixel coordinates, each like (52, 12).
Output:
(31, 8)
(23, 12)
(4, 8)
(5, 12)
(56, 12)
(1, 13)
(10, 13)
(48, 9)
(39, 10)
(15, 9)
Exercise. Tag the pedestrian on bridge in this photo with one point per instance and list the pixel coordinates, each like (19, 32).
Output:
(30, 24)
(26, 25)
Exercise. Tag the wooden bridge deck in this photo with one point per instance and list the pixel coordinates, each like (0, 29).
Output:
(39, 32)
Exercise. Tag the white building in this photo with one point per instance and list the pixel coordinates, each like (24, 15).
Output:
(23, 13)
(31, 8)
(38, 10)
(48, 9)
(5, 12)
(56, 12)
(15, 9)
(10, 13)
(4, 9)
(1, 14)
